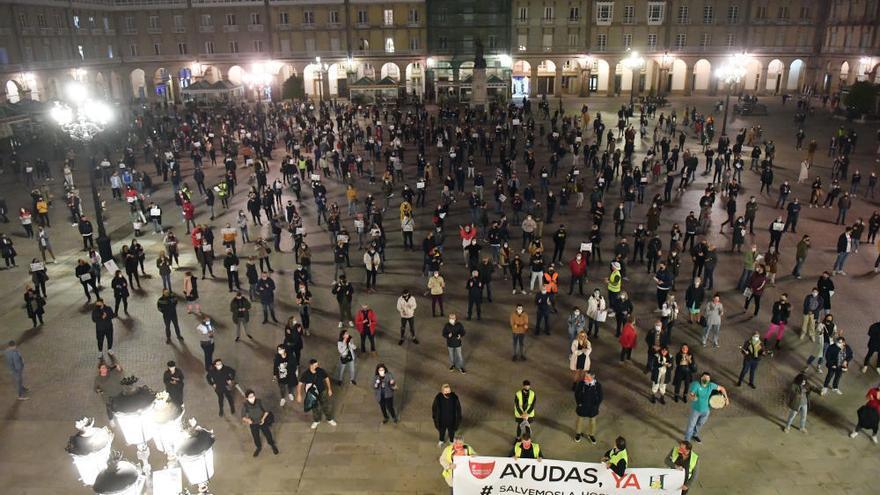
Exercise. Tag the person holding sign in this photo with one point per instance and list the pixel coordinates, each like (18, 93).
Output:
(684, 459)
(616, 458)
(447, 458)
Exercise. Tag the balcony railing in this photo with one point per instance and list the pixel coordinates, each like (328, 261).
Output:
(233, 28)
(255, 28)
(154, 30)
(283, 27)
(206, 29)
(130, 31)
(178, 29)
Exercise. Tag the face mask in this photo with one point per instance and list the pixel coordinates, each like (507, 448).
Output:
(815, 293)
(251, 399)
(756, 339)
(658, 327)
(451, 321)
(519, 311)
(704, 381)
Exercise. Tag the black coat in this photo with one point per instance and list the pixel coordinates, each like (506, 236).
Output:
(446, 411)
(588, 398)
(103, 318)
(874, 336)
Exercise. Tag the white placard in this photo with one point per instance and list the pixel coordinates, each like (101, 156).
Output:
(315, 177)
(155, 212)
(643, 180)
(544, 175)
(587, 247)
(300, 231)
(36, 267)
(506, 475)
(111, 267)
(577, 172)
(342, 238)
(207, 248)
(502, 198)
(577, 139)
(778, 226)
(515, 121)
(233, 268)
(420, 185)
(359, 224)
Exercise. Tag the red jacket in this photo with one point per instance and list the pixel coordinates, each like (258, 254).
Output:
(360, 320)
(627, 337)
(189, 211)
(578, 269)
(196, 236)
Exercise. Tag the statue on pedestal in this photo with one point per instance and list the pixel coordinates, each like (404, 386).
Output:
(479, 60)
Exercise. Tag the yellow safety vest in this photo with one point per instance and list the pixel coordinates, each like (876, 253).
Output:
(616, 457)
(692, 464)
(447, 456)
(520, 407)
(517, 450)
(614, 281)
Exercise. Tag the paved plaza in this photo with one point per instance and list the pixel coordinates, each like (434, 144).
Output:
(743, 450)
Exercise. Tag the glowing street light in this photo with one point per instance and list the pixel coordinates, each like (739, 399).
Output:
(633, 62)
(731, 73)
(195, 453)
(90, 450)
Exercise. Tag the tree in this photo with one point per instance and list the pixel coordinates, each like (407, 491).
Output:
(293, 88)
(862, 98)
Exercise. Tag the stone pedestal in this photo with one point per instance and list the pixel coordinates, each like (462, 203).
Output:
(478, 89)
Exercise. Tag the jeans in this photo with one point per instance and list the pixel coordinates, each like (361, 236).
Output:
(227, 394)
(455, 358)
(102, 335)
(352, 370)
(386, 404)
(18, 376)
(241, 323)
(543, 315)
(696, 420)
(171, 320)
(840, 261)
(750, 365)
(536, 276)
(411, 321)
(208, 351)
(744, 279)
(802, 410)
(798, 264)
(269, 308)
(166, 281)
(518, 345)
(443, 430)
(714, 330)
(833, 377)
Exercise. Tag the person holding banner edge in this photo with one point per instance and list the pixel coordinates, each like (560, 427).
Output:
(684, 459)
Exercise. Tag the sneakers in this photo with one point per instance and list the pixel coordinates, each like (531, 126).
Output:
(874, 439)
(864, 369)
(340, 325)
(400, 342)
(24, 397)
(577, 438)
(315, 425)
(282, 402)
(463, 371)
(786, 429)
(824, 391)
(592, 439)
(290, 397)
(452, 368)
(331, 422)
(696, 439)
(441, 443)
(837, 391)
(854, 434)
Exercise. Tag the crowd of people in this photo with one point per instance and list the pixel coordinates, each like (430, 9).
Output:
(508, 177)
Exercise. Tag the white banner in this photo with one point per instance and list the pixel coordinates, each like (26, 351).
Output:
(504, 475)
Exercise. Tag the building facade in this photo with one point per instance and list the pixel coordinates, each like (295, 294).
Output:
(152, 49)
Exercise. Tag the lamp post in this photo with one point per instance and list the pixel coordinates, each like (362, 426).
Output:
(586, 68)
(731, 73)
(322, 68)
(133, 411)
(120, 478)
(90, 450)
(633, 62)
(666, 61)
(83, 118)
(195, 453)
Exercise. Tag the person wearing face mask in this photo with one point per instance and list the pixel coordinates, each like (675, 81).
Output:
(519, 325)
(206, 340)
(446, 413)
(102, 316)
(684, 459)
(524, 409)
(453, 332)
(755, 289)
(826, 290)
(622, 311)
(284, 373)
(781, 312)
(798, 401)
(406, 306)
(873, 347)
(752, 350)
(837, 359)
(543, 305)
(173, 380)
(656, 339)
(347, 350)
(259, 420)
(315, 383)
(447, 458)
(699, 394)
(597, 312)
(436, 286)
(661, 373)
(749, 259)
(578, 268)
(577, 323)
(108, 385)
(827, 332)
(515, 266)
(474, 289)
(628, 339)
(685, 367)
(693, 299)
(222, 378)
(588, 397)
(813, 305)
(384, 386)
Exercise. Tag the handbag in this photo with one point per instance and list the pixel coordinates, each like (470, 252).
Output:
(311, 399)
(703, 321)
(747, 293)
(346, 358)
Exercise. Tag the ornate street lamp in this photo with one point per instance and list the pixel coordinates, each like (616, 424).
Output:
(82, 118)
(195, 453)
(90, 449)
(120, 478)
(133, 411)
(731, 73)
(666, 61)
(586, 68)
(167, 420)
(633, 62)
(322, 68)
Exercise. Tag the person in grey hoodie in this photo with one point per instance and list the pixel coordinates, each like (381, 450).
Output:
(713, 311)
(384, 386)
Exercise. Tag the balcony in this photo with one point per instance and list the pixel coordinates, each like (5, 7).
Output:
(178, 29)
(97, 31)
(283, 27)
(362, 25)
(130, 31)
(574, 20)
(230, 28)
(154, 30)
(334, 25)
(110, 32)
(255, 28)
(307, 25)
(547, 21)
(206, 29)
(522, 22)
(29, 30)
(413, 24)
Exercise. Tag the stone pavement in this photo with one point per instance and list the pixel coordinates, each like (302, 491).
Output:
(743, 449)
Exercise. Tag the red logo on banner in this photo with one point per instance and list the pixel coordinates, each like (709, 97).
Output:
(481, 470)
